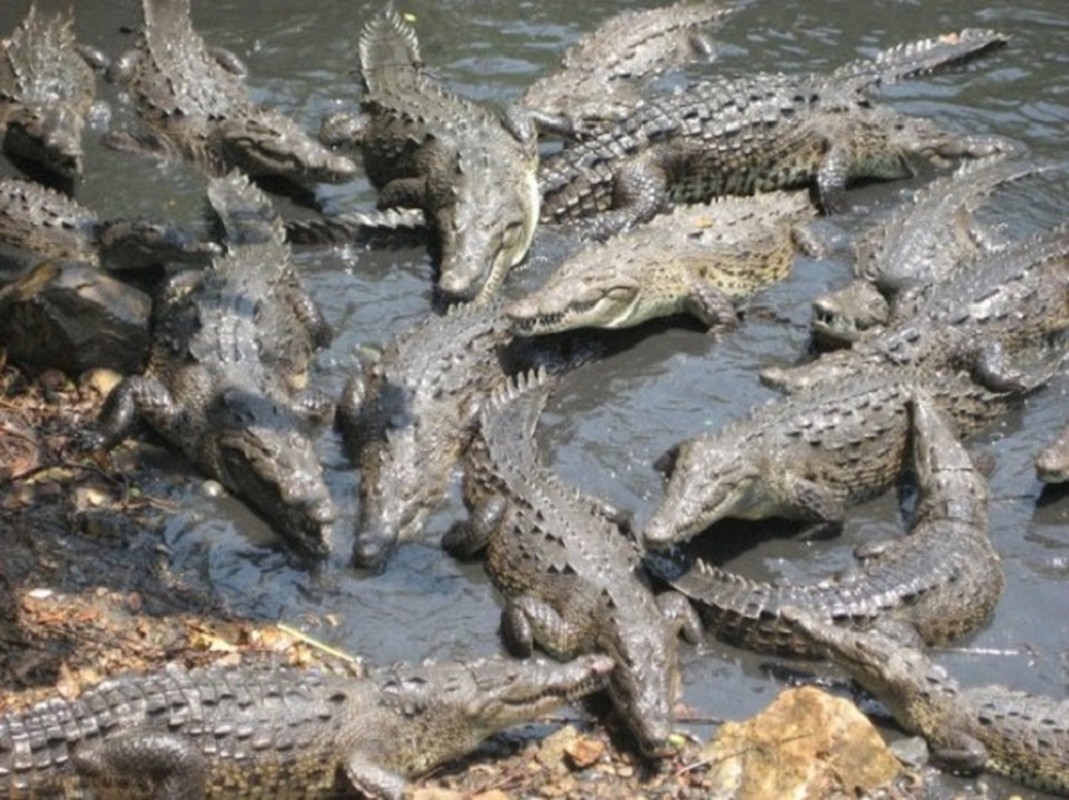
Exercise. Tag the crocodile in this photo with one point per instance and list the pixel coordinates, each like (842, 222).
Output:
(977, 319)
(267, 730)
(573, 581)
(410, 414)
(939, 582)
(38, 223)
(47, 89)
(756, 133)
(805, 457)
(700, 260)
(595, 84)
(1052, 462)
(1024, 737)
(227, 372)
(199, 108)
(472, 170)
(922, 243)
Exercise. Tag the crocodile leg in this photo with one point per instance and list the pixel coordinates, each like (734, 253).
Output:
(404, 193)
(960, 753)
(372, 780)
(640, 188)
(161, 766)
(136, 396)
(712, 306)
(814, 503)
(528, 620)
(991, 369)
(465, 538)
(680, 615)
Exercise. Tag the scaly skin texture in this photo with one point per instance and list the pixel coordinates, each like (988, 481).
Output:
(977, 320)
(226, 372)
(410, 415)
(923, 242)
(807, 456)
(1052, 462)
(46, 92)
(270, 731)
(573, 581)
(754, 134)
(37, 223)
(699, 260)
(596, 82)
(199, 108)
(472, 171)
(1024, 737)
(942, 580)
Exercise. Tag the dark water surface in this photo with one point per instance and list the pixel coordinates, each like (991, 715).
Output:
(611, 419)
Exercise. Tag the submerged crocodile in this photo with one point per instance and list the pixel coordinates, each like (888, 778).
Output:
(199, 108)
(1052, 462)
(470, 169)
(753, 134)
(595, 84)
(261, 730)
(977, 320)
(227, 367)
(807, 456)
(700, 260)
(409, 416)
(1022, 736)
(923, 242)
(46, 92)
(573, 581)
(37, 223)
(941, 581)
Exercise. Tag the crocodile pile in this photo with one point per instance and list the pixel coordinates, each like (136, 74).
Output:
(699, 198)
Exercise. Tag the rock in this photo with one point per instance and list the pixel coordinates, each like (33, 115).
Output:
(74, 317)
(806, 744)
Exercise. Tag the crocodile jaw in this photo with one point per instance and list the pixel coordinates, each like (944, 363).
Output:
(706, 485)
(568, 305)
(272, 144)
(51, 137)
(841, 318)
(278, 472)
(485, 231)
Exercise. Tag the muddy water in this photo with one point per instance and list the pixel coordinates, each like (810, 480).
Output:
(611, 419)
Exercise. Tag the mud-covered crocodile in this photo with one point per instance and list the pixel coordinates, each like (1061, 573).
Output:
(1052, 462)
(573, 581)
(200, 109)
(262, 730)
(1022, 736)
(976, 320)
(939, 582)
(923, 242)
(596, 82)
(753, 134)
(807, 456)
(46, 92)
(38, 223)
(227, 371)
(472, 170)
(700, 260)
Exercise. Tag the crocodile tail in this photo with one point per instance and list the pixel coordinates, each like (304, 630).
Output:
(246, 213)
(521, 401)
(917, 58)
(389, 51)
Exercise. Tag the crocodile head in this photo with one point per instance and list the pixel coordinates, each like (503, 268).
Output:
(487, 218)
(47, 135)
(922, 137)
(274, 467)
(901, 676)
(269, 143)
(460, 704)
(841, 318)
(599, 297)
(712, 477)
